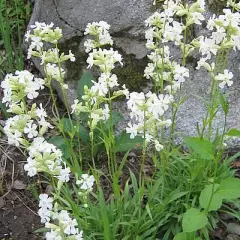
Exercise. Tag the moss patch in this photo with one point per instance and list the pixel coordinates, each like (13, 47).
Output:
(217, 6)
(131, 74)
(74, 69)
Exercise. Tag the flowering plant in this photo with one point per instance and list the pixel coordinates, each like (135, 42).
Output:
(190, 185)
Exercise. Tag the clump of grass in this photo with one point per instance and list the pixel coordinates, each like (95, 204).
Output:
(14, 16)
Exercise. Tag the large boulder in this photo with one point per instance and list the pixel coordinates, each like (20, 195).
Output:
(127, 28)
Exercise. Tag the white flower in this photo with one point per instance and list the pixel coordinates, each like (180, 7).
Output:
(108, 79)
(207, 46)
(45, 201)
(44, 214)
(225, 77)
(105, 112)
(158, 146)
(99, 88)
(219, 35)
(52, 70)
(132, 130)
(197, 17)
(14, 138)
(41, 113)
(31, 129)
(89, 45)
(79, 236)
(149, 34)
(125, 91)
(149, 71)
(180, 73)
(64, 174)
(86, 182)
(30, 167)
(71, 56)
(53, 235)
(173, 33)
(74, 106)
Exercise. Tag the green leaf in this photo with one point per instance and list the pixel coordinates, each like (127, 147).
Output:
(186, 236)
(233, 132)
(59, 142)
(84, 134)
(202, 147)
(70, 128)
(176, 195)
(224, 104)
(116, 117)
(205, 196)
(229, 189)
(4, 110)
(193, 220)
(85, 80)
(124, 143)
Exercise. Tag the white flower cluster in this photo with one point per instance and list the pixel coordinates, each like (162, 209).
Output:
(100, 31)
(45, 157)
(163, 29)
(22, 84)
(102, 90)
(27, 127)
(62, 226)
(146, 111)
(225, 36)
(51, 59)
(235, 5)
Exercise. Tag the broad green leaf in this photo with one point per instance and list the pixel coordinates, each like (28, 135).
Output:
(124, 143)
(229, 189)
(116, 117)
(193, 220)
(233, 132)
(85, 80)
(205, 196)
(71, 128)
(84, 134)
(68, 124)
(59, 142)
(186, 236)
(202, 147)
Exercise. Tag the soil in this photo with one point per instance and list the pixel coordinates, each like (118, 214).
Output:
(18, 207)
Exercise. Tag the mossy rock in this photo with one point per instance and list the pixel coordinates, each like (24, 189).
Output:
(217, 6)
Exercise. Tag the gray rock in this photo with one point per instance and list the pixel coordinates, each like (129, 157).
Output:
(233, 237)
(233, 228)
(127, 28)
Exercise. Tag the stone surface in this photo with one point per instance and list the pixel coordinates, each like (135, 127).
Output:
(127, 28)
(233, 237)
(233, 228)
